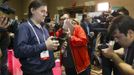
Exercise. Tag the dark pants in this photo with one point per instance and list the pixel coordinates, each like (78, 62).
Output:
(4, 70)
(49, 72)
(108, 66)
(72, 71)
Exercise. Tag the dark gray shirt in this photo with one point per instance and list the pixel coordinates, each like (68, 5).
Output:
(28, 50)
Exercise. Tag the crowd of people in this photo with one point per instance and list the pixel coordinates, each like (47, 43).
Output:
(37, 39)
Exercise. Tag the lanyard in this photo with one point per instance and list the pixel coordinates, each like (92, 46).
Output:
(125, 57)
(36, 33)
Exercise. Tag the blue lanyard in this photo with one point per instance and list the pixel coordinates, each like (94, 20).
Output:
(36, 33)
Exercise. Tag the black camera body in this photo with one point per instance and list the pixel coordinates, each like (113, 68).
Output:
(104, 37)
(5, 8)
(61, 40)
(13, 24)
(102, 46)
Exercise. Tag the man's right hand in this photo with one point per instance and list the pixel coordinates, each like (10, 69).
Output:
(3, 22)
(52, 44)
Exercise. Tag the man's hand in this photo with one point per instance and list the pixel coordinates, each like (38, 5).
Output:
(68, 33)
(64, 45)
(4, 22)
(51, 43)
(108, 52)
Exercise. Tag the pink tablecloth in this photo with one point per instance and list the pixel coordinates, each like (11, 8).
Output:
(14, 65)
(57, 69)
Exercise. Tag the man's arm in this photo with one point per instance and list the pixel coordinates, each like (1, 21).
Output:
(125, 68)
(4, 39)
(3, 23)
(120, 51)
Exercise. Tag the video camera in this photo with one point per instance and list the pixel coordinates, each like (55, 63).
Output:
(61, 40)
(13, 23)
(6, 9)
(104, 37)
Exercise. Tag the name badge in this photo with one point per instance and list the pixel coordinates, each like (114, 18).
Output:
(44, 55)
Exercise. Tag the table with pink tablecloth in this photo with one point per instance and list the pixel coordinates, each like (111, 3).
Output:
(14, 65)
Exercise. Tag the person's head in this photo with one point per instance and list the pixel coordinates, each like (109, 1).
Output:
(84, 17)
(123, 11)
(122, 29)
(68, 25)
(51, 25)
(37, 10)
(65, 16)
(75, 22)
(120, 11)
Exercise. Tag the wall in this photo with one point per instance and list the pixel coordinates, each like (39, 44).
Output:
(22, 5)
(129, 4)
(16, 4)
(53, 4)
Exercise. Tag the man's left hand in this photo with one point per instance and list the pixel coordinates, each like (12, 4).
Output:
(4, 22)
(108, 52)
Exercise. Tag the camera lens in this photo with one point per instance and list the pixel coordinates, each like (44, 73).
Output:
(103, 46)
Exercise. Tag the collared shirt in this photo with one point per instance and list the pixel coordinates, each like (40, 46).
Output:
(38, 25)
(87, 27)
(129, 55)
(27, 48)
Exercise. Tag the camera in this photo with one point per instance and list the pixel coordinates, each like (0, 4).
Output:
(61, 40)
(105, 37)
(13, 23)
(102, 46)
(5, 8)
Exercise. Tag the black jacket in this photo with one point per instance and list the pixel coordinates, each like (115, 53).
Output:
(27, 49)
(4, 42)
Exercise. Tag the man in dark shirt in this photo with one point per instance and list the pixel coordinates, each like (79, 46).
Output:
(122, 29)
(33, 46)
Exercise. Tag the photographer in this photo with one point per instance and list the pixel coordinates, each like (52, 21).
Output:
(122, 29)
(33, 45)
(4, 42)
(107, 65)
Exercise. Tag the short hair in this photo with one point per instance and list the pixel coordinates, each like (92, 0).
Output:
(123, 10)
(65, 16)
(83, 17)
(35, 4)
(123, 23)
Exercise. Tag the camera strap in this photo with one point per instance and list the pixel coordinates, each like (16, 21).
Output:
(34, 32)
(125, 55)
(44, 55)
